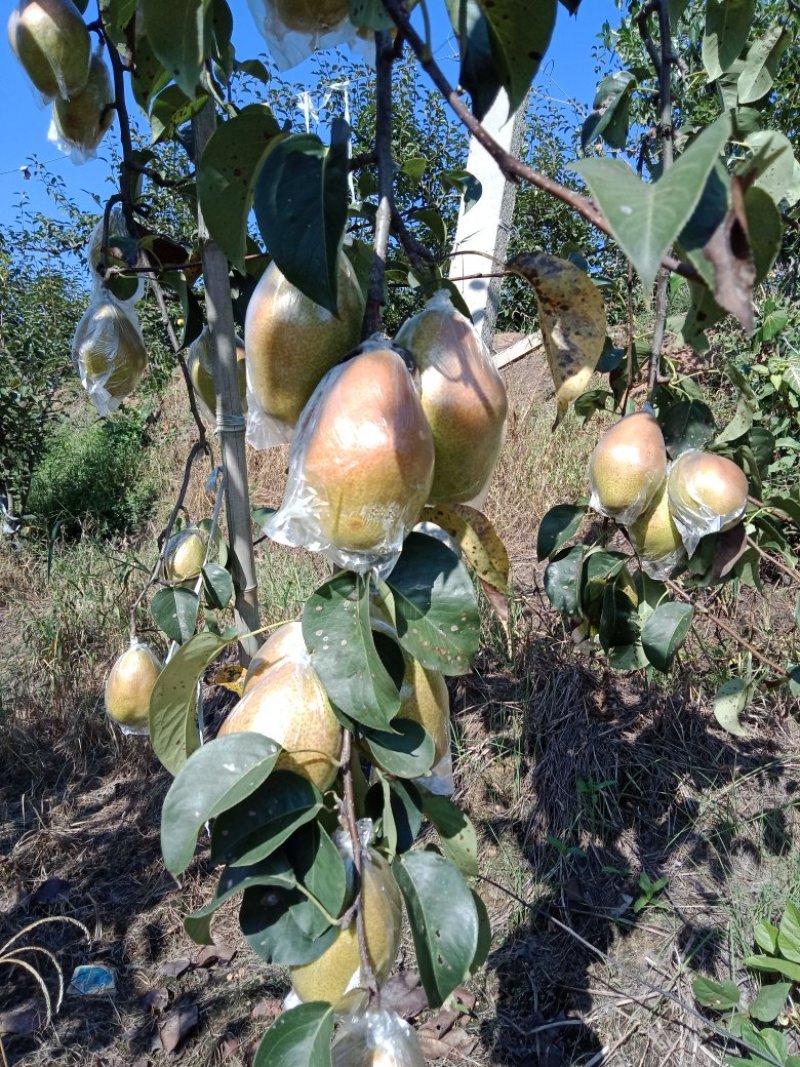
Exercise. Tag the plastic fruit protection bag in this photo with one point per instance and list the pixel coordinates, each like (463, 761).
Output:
(694, 517)
(128, 687)
(120, 251)
(294, 29)
(376, 1039)
(78, 125)
(200, 365)
(108, 351)
(656, 539)
(463, 397)
(626, 468)
(360, 466)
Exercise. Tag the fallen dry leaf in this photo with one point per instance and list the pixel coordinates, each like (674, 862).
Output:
(267, 1008)
(21, 1021)
(211, 954)
(177, 1026)
(175, 968)
(51, 891)
(156, 999)
(404, 995)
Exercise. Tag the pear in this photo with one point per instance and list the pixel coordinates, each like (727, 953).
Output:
(130, 684)
(284, 643)
(83, 120)
(376, 1039)
(361, 463)
(627, 466)
(200, 364)
(291, 342)
(50, 39)
(310, 16)
(656, 538)
(185, 554)
(334, 976)
(707, 494)
(108, 349)
(463, 397)
(289, 705)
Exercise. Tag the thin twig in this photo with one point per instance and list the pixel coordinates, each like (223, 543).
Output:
(774, 561)
(512, 168)
(367, 973)
(384, 61)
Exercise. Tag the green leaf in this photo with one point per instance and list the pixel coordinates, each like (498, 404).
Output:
(789, 933)
(559, 525)
(600, 568)
(773, 965)
(562, 580)
(227, 175)
(409, 752)
(761, 64)
(175, 613)
(170, 109)
(216, 777)
(338, 633)
(300, 1037)
(465, 183)
(520, 35)
(481, 75)
(456, 833)
(726, 31)
(686, 424)
(444, 921)
(173, 702)
(646, 218)
(740, 423)
(664, 633)
(769, 1002)
(369, 13)
(730, 700)
(776, 168)
(766, 937)
(180, 34)
(404, 810)
(435, 605)
(619, 619)
(217, 585)
(610, 115)
(265, 820)
(301, 208)
(721, 996)
(283, 926)
(275, 872)
(477, 540)
(484, 935)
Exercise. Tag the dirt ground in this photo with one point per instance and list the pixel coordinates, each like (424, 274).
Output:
(579, 780)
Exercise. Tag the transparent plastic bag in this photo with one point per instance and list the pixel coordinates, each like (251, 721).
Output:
(707, 495)
(336, 975)
(185, 555)
(376, 1039)
(463, 397)
(626, 467)
(294, 29)
(291, 342)
(360, 466)
(78, 125)
(108, 351)
(200, 364)
(129, 685)
(123, 252)
(52, 43)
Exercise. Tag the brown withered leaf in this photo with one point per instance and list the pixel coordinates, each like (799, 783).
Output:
(211, 954)
(175, 968)
(20, 1021)
(177, 1026)
(156, 999)
(729, 251)
(729, 549)
(455, 1045)
(267, 1008)
(404, 995)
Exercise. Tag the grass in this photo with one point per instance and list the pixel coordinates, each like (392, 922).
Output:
(578, 780)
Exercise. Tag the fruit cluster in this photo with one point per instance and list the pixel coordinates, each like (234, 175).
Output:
(51, 41)
(665, 508)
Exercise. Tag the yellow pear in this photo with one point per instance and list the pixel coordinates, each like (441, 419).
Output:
(334, 976)
(108, 349)
(310, 16)
(83, 120)
(707, 489)
(185, 554)
(286, 642)
(50, 39)
(130, 684)
(656, 538)
(364, 452)
(289, 705)
(291, 342)
(200, 364)
(463, 397)
(627, 466)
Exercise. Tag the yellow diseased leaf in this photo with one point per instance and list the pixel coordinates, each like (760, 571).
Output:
(572, 318)
(231, 677)
(478, 540)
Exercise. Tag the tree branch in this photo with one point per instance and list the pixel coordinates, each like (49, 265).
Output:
(384, 60)
(367, 974)
(512, 168)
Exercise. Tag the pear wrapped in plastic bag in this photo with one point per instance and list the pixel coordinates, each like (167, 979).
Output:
(129, 686)
(294, 29)
(376, 1039)
(120, 251)
(108, 351)
(361, 464)
(627, 467)
(200, 364)
(79, 124)
(707, 495)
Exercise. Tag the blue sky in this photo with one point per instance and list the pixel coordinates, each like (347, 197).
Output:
(568, 72)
